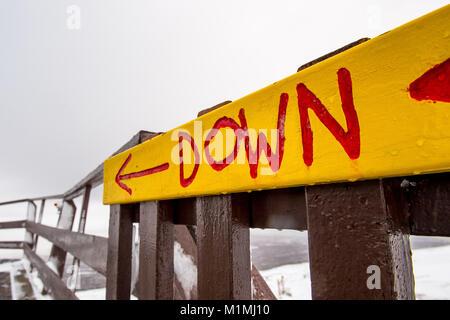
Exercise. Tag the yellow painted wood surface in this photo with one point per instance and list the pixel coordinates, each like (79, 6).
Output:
(399, 135)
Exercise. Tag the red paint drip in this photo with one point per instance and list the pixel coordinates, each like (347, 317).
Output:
(274, 157)
(349, 140)
(433, 85)
(187, 181)
(138, 174)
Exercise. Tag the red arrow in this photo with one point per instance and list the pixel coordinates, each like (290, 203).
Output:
(120, 177)
(433, 85)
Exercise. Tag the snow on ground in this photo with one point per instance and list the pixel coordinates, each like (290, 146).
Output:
(289, 282)
(95, 294)
(431, 268)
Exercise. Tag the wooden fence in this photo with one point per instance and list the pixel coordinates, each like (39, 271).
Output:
(352, 227)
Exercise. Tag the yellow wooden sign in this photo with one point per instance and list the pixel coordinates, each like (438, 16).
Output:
(380, 109)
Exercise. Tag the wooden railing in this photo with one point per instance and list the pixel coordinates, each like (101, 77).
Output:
(96, 251)
(371, 221)
(352, 227)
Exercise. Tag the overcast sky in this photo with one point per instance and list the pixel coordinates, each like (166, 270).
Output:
(70, 97)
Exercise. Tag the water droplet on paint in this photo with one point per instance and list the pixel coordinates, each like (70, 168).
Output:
(420, 142)
(394, 153)
(441, 77)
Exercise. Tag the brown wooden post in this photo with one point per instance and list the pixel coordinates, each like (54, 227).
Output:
(31, 216)
(118, 273)
(156, 233)
(39, 220)
(73, 280)
(223, 241)
(357, 237)
(57, 257)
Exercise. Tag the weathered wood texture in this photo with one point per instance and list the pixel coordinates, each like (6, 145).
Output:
(428, 199)
(217, 106)
(279, 209)
(65, 221)
(84, 209)
(39, 221)
(261, 290)
(223, 242)
(120, 240)
(351, 227)
(11, 244)
(12, 224)
(90, 249)
(50, 279)
(156, 250)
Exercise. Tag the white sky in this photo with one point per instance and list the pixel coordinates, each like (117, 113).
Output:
(69, 98)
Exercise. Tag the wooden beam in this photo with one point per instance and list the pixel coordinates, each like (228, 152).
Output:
(156, 250)
(279, 209)
(118, 273)
(65, 221)
(332, 54)
(39, 220)
(428, 199)
(11, 244)
(261, 290)
(90, 249)
(12, 224)
(50, 279)
(31, 216)
(354, 239)
(223, 242)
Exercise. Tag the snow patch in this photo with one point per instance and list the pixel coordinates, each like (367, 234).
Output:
(185, 269)
(431, 267)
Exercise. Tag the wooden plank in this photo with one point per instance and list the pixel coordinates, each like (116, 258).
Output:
(223, 242)
(353, 236)
(90, 249)
(118, 272)
(261, 290)
(12, 224)
(276, 209)
(184, 238)
(185, 211)
(39, 220)
(429, 204)
(11, 244)
(81, 227)
(353, 132)
(56, 196)
(279, 209)
(31, 216)
(332, 54)
(57, 256)
(50, 279)
(156, 250)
